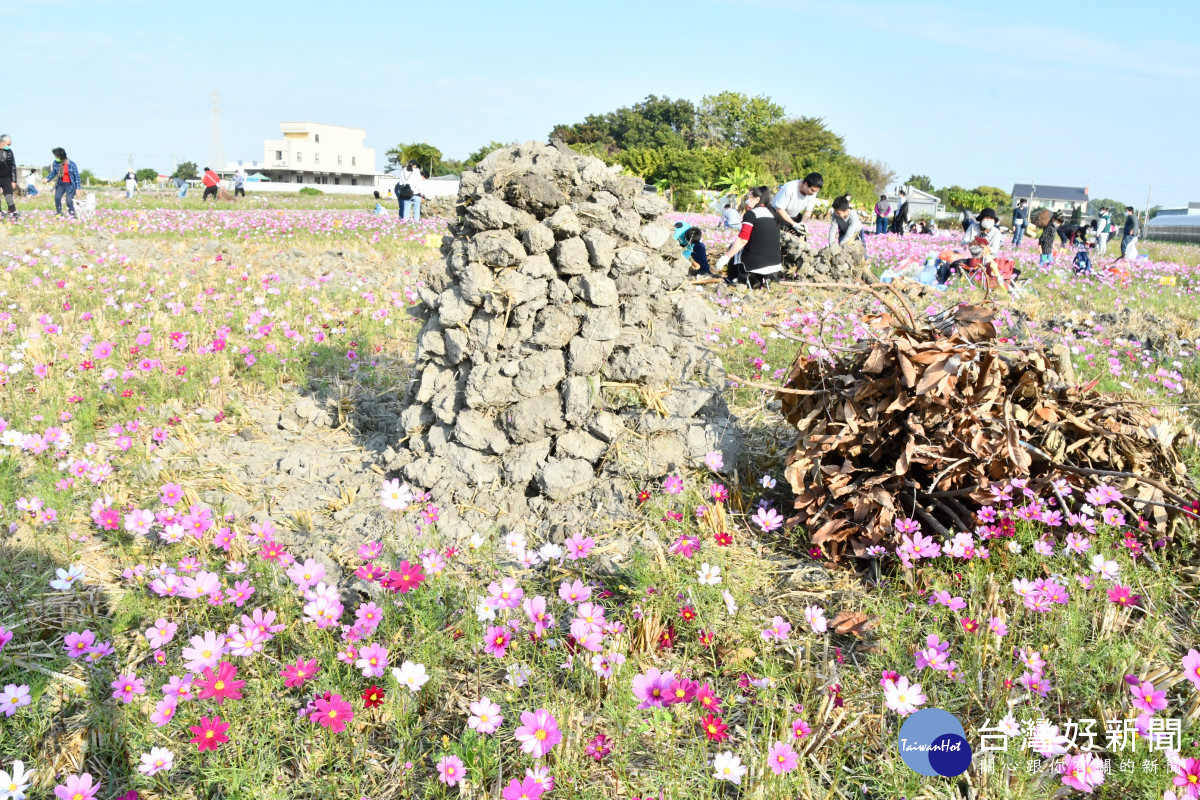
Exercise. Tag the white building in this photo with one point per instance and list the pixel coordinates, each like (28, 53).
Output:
(315, 154)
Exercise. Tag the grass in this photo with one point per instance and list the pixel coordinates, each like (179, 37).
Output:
(829, 681)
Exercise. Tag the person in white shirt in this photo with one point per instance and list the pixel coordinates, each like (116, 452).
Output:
(408, 191)
(731, 218)
(795, 201)
(130, 184)
(31, 182)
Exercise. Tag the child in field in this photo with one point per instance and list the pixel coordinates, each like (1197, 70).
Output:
(690, 239)
(844, 225)
(1049, 234)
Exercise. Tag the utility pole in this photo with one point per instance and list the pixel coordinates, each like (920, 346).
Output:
(131, 162)
(1146, 215)
(216, 153)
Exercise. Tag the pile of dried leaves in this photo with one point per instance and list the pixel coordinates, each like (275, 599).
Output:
(926, 418)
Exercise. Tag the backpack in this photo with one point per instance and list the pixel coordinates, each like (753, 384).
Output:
(1083, 263)
(404, 191)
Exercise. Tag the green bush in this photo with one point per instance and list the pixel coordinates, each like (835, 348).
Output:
(686, 200)
(309, 191)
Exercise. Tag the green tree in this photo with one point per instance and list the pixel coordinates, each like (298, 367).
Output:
(654, 122)
(785, 144)
(737, 181)
(481, 154)
(994, 197)
(877, 173)
(733, 119)
(87, 177)
(958, 197)
(645, 162)
(842, 176)
(146, 174)
(921, 182)
(426, 155)
(186, 170)
(1118, 208)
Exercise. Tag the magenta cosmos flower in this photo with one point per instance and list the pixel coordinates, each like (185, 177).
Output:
(653, 688)
(333, 713)
(781, 758)
(538, 732)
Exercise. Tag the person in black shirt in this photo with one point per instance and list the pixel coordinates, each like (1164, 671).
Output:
(900, 218)
(1129, 233)
(755, 252)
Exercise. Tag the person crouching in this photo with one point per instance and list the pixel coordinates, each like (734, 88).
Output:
(755, 252)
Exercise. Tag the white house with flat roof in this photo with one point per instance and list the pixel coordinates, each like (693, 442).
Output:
(316, 154)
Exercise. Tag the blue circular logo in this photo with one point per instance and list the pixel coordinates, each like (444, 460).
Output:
(932, 742)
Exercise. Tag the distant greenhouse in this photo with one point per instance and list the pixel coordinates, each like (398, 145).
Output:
(1174, 228)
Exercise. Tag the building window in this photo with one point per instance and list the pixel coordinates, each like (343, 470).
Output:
(316, 158)
(299, 177)
(299, 156)
(337, 181)
(279, 155)
(317, 138)
(339, 160)
(354, 181)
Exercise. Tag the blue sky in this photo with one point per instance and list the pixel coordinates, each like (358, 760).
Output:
(1016, 91)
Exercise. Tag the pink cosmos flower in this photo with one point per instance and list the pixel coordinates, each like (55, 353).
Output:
(578, 546)
(450, 770)
(673, 484)
(496, 641)
(816, 618)
(574, 592)
(767, 519)
(506, 594)
(79, 644)
(372, 660)
(332, 713)
(777, 630)
(538, 732)
(1146, 699)
(1191, 667)
(485, 717)
(526, 789)
(652, 688)
(126, 686)
(781, 758)
(164, 711)
(296, 674)
(77, 787)
(221, 684)
(1187, 776)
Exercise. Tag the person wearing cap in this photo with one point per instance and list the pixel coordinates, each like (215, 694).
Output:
(795, 201)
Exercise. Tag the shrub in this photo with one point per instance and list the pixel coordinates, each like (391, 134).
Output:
(309, 191)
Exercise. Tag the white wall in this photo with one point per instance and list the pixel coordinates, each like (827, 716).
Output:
(430, 189)
(335, 141)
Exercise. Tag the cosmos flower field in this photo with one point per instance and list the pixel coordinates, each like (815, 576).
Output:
(158, 641)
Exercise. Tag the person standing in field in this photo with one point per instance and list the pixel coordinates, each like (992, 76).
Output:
(1129, 233)
(794, 203)
(212, 182)
(130, 184)
(1020, 221)
(239, 183)
(31, 182)
(755, 252)
(1049, 234)
(1103, 230)
(883, 214)
(8, 174)
(65, 173)
(408, 192)
(900, 218)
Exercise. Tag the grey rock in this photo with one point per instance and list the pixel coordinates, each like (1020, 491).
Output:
(554, 328)
(585, 356)
(521, 463)
(496, 249)
(601, 248)
(599, 290)
(540, 371)
(579, 395)
(534, 418)
(601, 324)
(577, 444)
(564, 223)
(571, 256)
(537, 240)
(479, 432)
(563, 479)
(606, 426)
